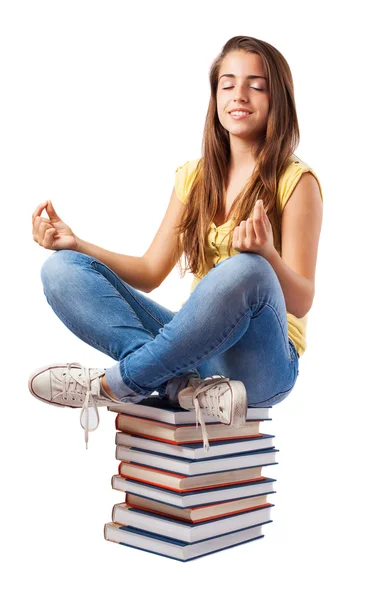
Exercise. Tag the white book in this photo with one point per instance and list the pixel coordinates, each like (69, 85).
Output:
(187, 532)
(160, 410)
(195, 451)
(197, 498)
(186, 466)
(159, 544)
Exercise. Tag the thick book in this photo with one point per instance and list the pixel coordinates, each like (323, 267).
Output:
(190, 499)
(187, 532)
(164, 546)
(159, 409)
(198, 513)
(179, 434)
(187, 466)
(178, 482)
(197, 450)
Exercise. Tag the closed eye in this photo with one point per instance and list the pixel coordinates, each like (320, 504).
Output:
(253, 88)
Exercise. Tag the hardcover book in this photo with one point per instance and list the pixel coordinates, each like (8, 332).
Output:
(183, 551)
(196, 451)
(159, 409)
(194, 498)
(186, 466)
(187, 532)
(179, 434)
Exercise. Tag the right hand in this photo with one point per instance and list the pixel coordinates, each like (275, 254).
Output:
(52, 233)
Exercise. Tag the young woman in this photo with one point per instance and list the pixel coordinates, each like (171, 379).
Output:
(247, 217)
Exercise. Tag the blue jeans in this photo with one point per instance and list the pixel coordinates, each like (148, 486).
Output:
(233, 324)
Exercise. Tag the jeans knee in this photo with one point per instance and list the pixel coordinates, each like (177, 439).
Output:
(249, 267)
(56, 268)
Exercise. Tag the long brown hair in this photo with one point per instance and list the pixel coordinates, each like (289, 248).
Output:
(272, 152)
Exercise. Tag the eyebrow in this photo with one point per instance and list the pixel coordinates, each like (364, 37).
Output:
(247, 77)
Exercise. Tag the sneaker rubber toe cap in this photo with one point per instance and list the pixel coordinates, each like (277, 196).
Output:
(40, 386)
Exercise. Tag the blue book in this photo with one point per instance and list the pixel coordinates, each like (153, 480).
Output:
(193, 498)
(196, 450)
(175, 549)
(187, 466)
(159, 409)
(188, 532)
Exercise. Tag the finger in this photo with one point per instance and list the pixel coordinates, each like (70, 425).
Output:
(38, 211)
(49, 236)
(36, 235)
(264, 213)
(242, 232)
(52, 212)
(250, 233)
(242, 235)
(258, 220)
(41, 225)
(42, 236)
(236, 232)
(36, 224)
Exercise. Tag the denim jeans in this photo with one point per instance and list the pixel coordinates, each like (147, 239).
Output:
(233, 324)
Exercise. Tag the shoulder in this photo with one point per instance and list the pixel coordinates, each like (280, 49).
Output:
(290, 177)
(184, 176)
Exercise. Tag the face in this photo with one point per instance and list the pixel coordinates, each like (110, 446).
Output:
(237, 91)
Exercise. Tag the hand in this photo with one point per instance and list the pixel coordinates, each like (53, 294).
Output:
(255, 234)
(52, 233)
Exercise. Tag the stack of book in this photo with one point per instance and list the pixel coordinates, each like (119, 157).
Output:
(182, 501)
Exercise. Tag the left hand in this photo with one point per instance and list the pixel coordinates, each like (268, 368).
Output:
(255, 234)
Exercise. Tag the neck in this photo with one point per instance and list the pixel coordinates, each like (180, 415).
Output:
(242, 158)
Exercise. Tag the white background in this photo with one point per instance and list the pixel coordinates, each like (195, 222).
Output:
(100, 102)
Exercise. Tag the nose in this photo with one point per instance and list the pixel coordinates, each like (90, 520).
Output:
(240, 91)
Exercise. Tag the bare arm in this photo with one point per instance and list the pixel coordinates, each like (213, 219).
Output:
(134, 270)
(301, 226)
(146, 272)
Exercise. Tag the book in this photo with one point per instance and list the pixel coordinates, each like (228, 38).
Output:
(195, 498)
(187, 532)
(195, 451)
(177, 550)
(159, 409)
(178, 482)
(187, 466)
(199, 513)
(178, 434)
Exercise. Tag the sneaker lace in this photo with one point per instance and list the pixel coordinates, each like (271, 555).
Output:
(213, 403)
(72, 384)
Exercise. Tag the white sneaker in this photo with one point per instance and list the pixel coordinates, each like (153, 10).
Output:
(71, 384)
(217, 396)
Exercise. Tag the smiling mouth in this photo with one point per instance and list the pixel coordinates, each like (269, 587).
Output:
(240, 114)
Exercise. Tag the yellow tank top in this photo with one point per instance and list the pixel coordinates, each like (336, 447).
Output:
(216, 249)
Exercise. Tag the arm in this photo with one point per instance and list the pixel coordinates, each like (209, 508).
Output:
(298, 291)
(146, 272)
(301, 226)
(133, 270)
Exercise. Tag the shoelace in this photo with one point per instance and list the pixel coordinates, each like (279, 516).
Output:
(89, 400)
(213, 403)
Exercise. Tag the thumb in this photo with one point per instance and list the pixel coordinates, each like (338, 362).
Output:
(51, 212)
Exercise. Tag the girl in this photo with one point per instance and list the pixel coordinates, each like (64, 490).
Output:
(247, 217)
